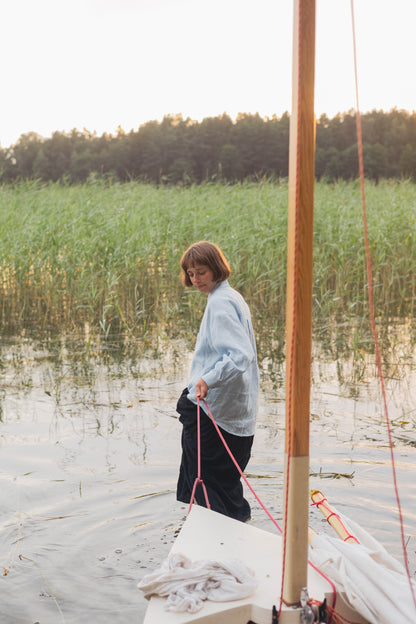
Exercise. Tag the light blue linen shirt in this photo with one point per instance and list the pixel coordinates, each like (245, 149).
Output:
(226, 359)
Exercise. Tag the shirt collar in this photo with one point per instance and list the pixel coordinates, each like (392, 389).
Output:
(218, 285)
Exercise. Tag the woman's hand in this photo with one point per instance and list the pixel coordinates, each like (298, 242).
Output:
(201, 389)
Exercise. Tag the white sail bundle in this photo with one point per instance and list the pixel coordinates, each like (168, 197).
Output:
(375, 583)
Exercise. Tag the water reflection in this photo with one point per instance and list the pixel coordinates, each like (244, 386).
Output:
(90, 451)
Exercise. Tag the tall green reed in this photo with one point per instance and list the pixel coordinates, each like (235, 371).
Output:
(108, 255)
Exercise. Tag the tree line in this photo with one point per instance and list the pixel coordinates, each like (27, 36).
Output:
(183, 151)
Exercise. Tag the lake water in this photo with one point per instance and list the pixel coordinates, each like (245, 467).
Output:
(89, 454)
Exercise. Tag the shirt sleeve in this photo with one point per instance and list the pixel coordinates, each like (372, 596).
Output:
(229, 338)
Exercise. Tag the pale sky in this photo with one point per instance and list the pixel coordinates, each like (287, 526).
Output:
(98, 64)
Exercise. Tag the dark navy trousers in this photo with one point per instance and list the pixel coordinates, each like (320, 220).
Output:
(218, 472)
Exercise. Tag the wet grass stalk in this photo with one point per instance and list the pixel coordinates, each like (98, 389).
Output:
(109, 255)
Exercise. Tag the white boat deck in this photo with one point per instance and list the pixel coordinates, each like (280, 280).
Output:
(209, 535)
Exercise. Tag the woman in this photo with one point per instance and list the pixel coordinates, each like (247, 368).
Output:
(224, 372)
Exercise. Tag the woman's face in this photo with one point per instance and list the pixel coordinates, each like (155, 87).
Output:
(202, 278)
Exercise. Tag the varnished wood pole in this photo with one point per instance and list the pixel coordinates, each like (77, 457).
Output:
(299, 300)
(332, 517)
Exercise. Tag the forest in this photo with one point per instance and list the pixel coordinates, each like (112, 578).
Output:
(185, 152)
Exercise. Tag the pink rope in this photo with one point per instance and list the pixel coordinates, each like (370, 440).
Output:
(242, 475)
(372, 315)
(198, 480)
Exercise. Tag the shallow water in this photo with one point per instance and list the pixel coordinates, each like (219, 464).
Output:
(90, 447)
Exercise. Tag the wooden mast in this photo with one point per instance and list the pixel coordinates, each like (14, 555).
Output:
(299, 301)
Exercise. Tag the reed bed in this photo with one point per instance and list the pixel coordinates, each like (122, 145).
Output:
(107, 256)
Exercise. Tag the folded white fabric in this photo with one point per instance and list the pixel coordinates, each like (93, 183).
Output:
(186, 583)
(375, 584)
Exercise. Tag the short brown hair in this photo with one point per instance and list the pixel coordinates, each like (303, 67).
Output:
(207, 254)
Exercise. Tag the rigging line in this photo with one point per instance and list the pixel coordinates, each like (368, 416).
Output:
(371, 308)
(233, 459)
(198, 480)
(262, 505)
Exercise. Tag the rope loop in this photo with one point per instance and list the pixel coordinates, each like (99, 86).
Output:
(198, 480)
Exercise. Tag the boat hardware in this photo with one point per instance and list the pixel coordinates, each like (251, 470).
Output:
(322, 613)
(306, 613)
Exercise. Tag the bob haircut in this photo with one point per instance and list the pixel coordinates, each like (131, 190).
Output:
(206, 254)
